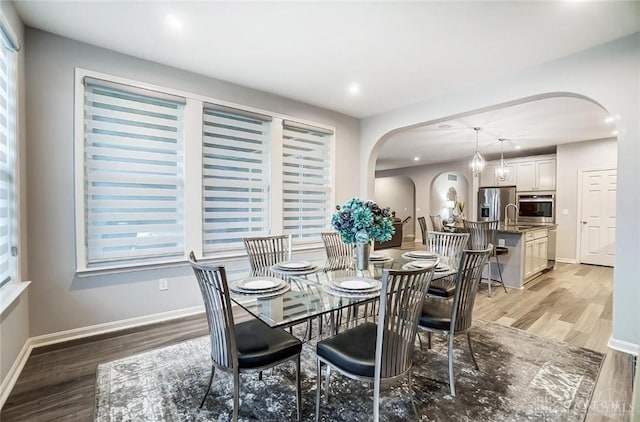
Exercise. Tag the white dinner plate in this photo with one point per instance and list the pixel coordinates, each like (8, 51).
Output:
(353, 294)
(378, 256)
(264, 294)
(420, 255)
(442, 267)
(258, 284)
(356, 283)
(294, 265)
(422, 264)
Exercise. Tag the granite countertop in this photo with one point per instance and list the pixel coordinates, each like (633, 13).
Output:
(523, 228)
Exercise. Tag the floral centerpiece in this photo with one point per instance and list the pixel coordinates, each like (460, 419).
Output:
(361, 222)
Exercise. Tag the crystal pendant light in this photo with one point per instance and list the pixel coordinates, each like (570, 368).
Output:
(477, 163)
(502, 171)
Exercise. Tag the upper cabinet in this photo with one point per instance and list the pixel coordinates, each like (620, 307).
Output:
(534, 173)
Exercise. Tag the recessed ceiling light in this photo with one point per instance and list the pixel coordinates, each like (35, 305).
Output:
(416, 158)
(354, 88)
(174, 22)
(518, 147)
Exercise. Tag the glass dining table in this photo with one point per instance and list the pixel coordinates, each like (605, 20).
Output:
(310, 294)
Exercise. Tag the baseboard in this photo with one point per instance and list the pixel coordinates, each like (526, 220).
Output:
(567, 260)
(45, 340)
(623, 346)
(108, 327)
(12, 376)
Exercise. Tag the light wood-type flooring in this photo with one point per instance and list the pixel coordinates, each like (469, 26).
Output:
(571, 303)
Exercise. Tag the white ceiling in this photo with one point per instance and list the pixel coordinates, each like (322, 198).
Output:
(399, 52)
(534, 127)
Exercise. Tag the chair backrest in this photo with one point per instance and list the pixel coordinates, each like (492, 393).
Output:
(436, 223)
(481, 233)
(217, 304)
(467, 281)
(400, 308)
(266, 251)
(423, 229)
(339, 254)
(447, 244)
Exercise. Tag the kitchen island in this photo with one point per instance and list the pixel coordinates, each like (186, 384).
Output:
(527, 256)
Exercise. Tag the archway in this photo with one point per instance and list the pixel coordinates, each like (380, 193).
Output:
(447, 189)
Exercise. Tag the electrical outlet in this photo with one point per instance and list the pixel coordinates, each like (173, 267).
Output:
(565, 212)
(163, 284)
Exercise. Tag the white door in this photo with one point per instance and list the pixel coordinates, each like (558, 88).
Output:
(598, 217)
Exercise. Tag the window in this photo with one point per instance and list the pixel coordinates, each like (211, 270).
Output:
(134, 178)
(8, 231)
(235, 156)
(161, 172)
(306, 177)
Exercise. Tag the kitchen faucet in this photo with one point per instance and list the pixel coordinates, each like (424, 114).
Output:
(506, 214)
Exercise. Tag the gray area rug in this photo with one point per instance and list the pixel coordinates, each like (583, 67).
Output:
(522, 377)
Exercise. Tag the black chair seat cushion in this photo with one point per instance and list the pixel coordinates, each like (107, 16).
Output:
(353, 351)
(436, 314)
(443, 287)
(260, 345)
(501, 250)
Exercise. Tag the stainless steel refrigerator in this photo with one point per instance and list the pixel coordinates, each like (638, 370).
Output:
(491, 202)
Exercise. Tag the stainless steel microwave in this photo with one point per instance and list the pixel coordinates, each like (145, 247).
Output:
(536, 208)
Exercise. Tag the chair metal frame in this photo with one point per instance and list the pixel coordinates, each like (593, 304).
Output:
(481, 235)
(222, 334)
(436, 223)
(339, 254)
(469, 272)
(263, 252)
(423, 229)
(401, 300)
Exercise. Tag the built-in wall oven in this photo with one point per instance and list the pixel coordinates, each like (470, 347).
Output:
(537, 208)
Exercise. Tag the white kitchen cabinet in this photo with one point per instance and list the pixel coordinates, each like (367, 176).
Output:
(546, 175)
(526, 179)
(488, 176)
(511, 179)
(535, 257)
(535, 175)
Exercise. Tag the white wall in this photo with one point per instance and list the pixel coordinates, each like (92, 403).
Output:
(14, 321)
(609, 75)
(398, 193)
(439, 193)
(572, 158)
(423, 177)
(60, 300)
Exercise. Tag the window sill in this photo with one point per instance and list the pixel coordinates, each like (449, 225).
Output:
(10, 292)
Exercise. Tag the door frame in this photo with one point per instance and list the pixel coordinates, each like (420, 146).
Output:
(581, 172)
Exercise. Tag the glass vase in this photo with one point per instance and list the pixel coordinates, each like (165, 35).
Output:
(362, 256)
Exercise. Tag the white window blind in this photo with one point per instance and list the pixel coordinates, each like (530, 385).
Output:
(306, 174)
(235, 177)
(134, 173)
(7, 161)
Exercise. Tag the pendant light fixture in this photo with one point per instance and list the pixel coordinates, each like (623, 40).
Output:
(477, 163)
(502, 171)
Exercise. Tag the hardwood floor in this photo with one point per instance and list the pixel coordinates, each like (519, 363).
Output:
(571, 303)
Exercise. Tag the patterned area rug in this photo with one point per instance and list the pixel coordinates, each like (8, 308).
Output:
(522, 377)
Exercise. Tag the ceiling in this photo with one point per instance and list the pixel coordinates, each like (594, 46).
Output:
(529, 128)
(398, 52)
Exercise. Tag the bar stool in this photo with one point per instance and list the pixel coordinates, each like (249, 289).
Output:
(481, 235)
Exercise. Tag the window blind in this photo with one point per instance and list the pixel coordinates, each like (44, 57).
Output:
(7, 163)
(235, 177)
(306, 171)
(134, 173)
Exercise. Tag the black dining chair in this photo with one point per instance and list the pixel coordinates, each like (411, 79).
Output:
(455, 317)
(449, 245)
(249, 346)
(381, 352)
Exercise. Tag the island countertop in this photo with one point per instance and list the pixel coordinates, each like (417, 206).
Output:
(523, 228)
